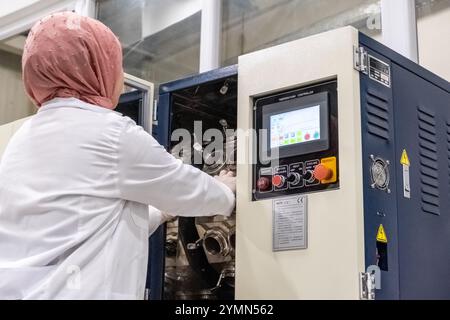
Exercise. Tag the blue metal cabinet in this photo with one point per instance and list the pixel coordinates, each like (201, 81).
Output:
(411, 115)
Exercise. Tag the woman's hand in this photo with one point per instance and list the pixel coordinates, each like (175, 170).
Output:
(166, 217)
(228, 178)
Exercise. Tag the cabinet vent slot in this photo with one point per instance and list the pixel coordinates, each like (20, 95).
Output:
(377, 114)
(428, 153)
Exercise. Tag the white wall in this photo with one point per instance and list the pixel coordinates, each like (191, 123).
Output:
(9, 6)
(7, 131)
(14, 103)
(434, 42)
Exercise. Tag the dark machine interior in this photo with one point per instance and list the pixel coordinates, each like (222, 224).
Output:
(209, 103)
(130, 105)
(200, 261)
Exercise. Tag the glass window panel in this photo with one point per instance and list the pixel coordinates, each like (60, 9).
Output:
(430, 7)
(249, 25)
(161, 38)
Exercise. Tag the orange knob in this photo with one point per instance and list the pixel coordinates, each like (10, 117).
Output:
(321, 172)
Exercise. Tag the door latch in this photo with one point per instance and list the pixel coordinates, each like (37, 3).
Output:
(367, 285)
(361, 59)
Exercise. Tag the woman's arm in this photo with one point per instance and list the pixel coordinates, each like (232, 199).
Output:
(149, 174)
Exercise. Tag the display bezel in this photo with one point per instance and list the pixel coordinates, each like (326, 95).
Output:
(264, 168)
(319, 99)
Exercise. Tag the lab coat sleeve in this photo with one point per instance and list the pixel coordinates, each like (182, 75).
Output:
(156, 218)
(149, 174)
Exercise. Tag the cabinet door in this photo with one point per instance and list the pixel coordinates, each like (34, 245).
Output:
(422, 121)
(380, 206)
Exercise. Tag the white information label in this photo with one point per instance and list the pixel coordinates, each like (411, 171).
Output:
(406, 182)
(290, 223)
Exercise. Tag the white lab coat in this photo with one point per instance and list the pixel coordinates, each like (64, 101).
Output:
(76, 183)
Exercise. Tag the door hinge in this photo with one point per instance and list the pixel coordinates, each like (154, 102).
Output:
(360, 59)
(155, 112)
(367, 286)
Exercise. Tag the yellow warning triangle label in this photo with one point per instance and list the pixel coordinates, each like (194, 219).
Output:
(405, 159)
(381, 235)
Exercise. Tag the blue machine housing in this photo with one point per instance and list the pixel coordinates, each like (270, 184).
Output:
(413, 114)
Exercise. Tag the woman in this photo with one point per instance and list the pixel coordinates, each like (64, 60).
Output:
(77, 179)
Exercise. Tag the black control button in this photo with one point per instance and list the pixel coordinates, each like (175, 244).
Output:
(309, 176)
(294, 178)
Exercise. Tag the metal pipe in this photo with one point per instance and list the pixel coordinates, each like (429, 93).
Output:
(211, 31)
(399, 27)
(215, 243)
(187, 233)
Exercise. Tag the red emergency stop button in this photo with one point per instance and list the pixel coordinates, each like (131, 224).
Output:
(263, 184)
(322, 172)
(278, 181)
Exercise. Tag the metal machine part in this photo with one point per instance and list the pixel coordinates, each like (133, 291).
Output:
(215, 243)
(200, 252)
(215, 240)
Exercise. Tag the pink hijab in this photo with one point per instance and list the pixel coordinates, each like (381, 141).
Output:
(67, 55)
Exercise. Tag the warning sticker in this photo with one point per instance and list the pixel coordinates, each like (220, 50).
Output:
(406, 175)
(405, 159)
(381, 235)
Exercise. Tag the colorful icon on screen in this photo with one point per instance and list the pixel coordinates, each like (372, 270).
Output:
(307, 137)
(317, 135)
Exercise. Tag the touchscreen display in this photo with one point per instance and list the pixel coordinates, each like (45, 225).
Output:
(295, 127)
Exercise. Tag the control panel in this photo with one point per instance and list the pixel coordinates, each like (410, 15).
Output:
(297, 175)
(297, 139)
